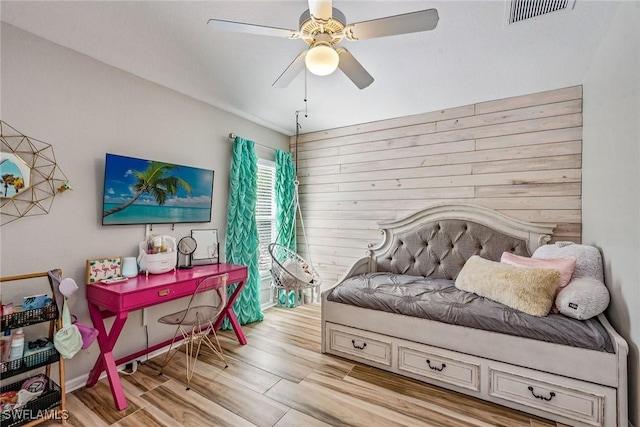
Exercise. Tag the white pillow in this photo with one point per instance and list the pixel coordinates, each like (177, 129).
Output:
(588, 258)
(583, 298)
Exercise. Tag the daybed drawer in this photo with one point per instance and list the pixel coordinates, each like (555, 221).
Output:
(362, 344)
(432, 363)
(560, 396)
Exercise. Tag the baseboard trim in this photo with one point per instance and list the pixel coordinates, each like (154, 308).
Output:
(79, 382)
(267, 305)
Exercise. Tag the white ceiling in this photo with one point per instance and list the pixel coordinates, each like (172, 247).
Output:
(472, 56)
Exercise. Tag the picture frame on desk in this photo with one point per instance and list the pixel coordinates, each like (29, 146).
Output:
(207, 246)
(100, 269)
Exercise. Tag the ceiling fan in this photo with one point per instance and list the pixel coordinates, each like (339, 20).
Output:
(322, 27)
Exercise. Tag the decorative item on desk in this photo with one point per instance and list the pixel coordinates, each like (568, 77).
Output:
(160, 244)
(187, 246)
(103, 268)
(129, 267)
(157, 254)
(207, 245)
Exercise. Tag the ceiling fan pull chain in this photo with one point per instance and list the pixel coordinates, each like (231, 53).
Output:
(306, 114)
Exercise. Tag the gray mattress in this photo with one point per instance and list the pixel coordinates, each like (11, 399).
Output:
(440, 300)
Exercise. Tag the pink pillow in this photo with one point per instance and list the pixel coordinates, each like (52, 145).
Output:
(564, 265)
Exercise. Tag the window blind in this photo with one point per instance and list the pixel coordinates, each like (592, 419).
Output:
(265, 213)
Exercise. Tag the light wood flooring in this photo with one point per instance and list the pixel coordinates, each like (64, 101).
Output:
(281, 379)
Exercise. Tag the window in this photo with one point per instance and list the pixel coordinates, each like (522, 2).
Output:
(266, 212)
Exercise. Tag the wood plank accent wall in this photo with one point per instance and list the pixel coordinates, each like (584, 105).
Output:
(521, 156)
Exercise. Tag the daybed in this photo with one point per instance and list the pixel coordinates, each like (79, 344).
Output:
(382, 313)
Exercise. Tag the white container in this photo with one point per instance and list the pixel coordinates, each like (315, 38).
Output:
(129, 267)
(161, 262)
(17, 345)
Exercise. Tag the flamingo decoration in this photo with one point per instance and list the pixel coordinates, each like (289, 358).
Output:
(105, 269)
(114, 268)
(95, 271)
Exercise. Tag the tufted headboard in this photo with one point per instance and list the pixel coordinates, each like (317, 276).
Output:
(437, 241)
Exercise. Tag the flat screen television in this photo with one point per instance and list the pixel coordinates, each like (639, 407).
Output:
(138, 191)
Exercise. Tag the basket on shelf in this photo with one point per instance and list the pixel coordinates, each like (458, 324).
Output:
(28, 363)
(48, 400)
(290, 271)
(29, 317)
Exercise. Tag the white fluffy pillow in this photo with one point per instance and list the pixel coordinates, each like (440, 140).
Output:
(583, 298)
(530, 290)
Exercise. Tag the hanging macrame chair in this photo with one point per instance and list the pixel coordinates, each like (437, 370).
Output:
(289, 271)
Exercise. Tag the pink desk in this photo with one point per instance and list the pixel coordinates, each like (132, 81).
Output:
(119, 299)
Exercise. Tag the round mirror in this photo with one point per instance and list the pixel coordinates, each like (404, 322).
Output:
(187, 246)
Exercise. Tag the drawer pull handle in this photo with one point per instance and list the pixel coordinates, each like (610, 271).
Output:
(435, 368)
(364, 344)
(163, 293)
(541, 397)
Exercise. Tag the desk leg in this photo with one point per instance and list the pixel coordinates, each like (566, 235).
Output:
(107, 342)
(228, 312)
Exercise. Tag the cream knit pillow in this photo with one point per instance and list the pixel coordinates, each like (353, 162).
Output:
(530, 290)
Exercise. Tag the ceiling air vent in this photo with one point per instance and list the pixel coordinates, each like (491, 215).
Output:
(525, 9)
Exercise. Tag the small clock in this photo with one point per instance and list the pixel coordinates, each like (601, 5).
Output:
(187, 246)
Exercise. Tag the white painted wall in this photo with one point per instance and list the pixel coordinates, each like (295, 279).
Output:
(85, 108)
(611, 177)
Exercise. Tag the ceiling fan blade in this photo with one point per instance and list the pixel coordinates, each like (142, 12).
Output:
(424, 20)
(240, 27)
(353, 69)
(291, 72)
(320, 9)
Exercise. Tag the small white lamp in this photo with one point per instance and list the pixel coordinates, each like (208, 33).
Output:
(129, 267)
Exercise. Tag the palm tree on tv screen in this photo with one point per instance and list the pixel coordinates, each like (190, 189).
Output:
(155, 181)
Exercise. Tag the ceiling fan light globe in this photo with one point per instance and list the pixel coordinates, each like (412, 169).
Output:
(322, 60)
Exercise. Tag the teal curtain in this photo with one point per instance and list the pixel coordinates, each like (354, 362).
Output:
(285, 214)
(285, 204)
(241, 244)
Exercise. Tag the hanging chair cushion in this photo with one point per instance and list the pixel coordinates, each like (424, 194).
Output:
(296, 271)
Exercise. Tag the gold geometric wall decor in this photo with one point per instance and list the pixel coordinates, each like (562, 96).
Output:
(30, 178)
